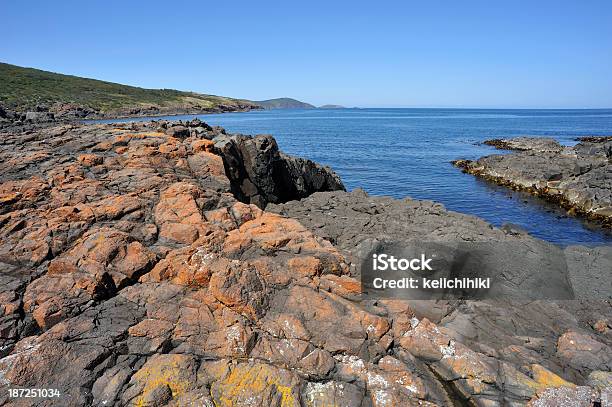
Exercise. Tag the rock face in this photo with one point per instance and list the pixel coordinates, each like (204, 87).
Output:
(578, 178)
(134, 271)
(260, 173)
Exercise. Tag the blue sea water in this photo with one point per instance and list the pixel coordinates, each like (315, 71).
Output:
(407, 152)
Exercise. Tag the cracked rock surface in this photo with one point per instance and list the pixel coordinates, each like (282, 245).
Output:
(516, 339)
(165, 264)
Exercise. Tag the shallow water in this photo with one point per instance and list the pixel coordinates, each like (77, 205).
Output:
(407, 152)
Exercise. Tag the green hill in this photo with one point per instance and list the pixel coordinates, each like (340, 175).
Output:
(283, 103)
(25, 88)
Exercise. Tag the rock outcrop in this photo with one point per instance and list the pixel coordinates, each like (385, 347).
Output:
(138, 269)
(260, 173)
(578, 178)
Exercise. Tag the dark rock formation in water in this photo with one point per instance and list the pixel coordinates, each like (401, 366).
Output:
(578, 178)
(133, 274)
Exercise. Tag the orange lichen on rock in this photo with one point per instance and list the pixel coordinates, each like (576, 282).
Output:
(202, 145)
(130, 274)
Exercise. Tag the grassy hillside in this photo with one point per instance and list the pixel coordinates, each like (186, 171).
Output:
(24, 88)
(283, 103)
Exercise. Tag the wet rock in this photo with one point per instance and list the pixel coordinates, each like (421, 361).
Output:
(594, 139)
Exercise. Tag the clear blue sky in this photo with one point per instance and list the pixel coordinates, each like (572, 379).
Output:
(372, 54)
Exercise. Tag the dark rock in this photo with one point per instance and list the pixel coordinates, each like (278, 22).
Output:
(179, 131)
(260, 174)
(218, 131)
(594, 139)
(72, 111)
(512, 229)
(497, 330)
(578, 178)
(198, 124)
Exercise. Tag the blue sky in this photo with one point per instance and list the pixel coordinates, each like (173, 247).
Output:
(370, 54)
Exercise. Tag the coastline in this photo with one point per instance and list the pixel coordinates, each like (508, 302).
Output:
(195, 212)
(15, 118)
(344, 133)
(145, 248)
(575, 178)
(173, 112)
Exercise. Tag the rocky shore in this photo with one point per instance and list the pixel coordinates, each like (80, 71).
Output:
(65, 113)
(578, 178)
(164, 263)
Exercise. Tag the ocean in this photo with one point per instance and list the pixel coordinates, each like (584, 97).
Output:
(407, 153)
